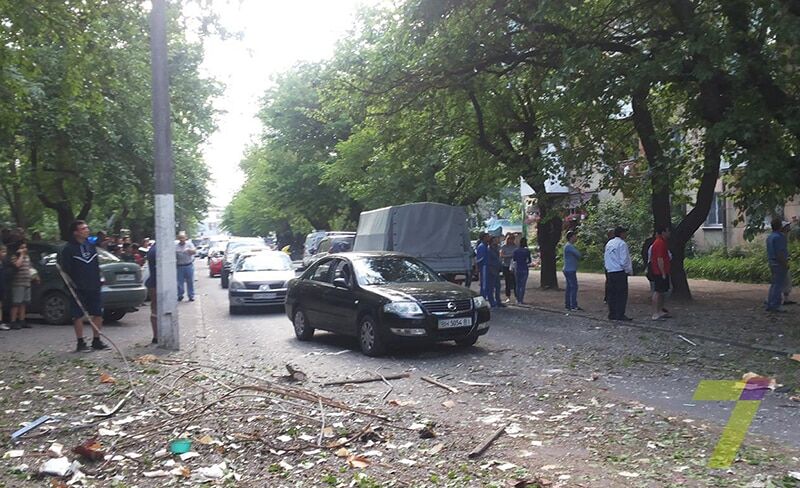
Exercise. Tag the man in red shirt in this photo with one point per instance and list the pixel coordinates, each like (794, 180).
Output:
(659, 269)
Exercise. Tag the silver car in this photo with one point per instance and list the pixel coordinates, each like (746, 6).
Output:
(259, 279)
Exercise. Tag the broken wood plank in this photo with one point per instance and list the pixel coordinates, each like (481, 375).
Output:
(439, 384)
(368, 379)
(488, 442)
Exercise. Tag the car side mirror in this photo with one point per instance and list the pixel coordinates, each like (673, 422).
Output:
(340, 283)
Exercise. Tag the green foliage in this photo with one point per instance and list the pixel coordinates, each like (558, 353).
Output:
(747, 264)
(76, 137)
(634, 215)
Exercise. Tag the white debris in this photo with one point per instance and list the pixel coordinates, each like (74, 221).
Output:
(14, 454)
(208, 473)
(284, 438)
(188, 455)
(56, 449)
(56, 467)
(156, 474)
(628, 474)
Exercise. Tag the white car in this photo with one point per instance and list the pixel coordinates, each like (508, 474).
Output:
(259, 279)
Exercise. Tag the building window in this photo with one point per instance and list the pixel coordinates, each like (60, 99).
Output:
(716, 214)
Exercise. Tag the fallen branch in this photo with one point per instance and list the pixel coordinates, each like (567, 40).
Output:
(367, 380)
(687, 340)
(439, 384)
(488, 442)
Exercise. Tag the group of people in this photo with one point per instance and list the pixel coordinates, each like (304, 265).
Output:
(511, 261)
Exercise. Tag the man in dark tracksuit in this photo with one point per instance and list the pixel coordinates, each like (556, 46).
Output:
(80, 261)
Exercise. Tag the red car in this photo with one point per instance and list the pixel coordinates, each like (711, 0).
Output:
(215, 264)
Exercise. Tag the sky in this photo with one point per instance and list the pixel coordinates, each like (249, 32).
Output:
(275, 35)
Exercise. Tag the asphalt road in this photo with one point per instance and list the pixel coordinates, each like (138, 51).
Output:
(658, 370)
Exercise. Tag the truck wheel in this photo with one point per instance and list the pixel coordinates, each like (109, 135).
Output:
(368, 337)
(55, 310)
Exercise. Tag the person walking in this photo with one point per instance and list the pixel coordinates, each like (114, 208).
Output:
(777, 255)
(20, 286)
(522, 259)
(506, 258)
(184, 258)
(493, 267)
(617, 261)
(79, 260)
(571, 258)
(481, 261)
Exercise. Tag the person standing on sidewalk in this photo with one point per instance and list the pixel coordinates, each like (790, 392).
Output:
(522, 259)
(20, 286)
(3, 325)
(184, 258)
(506, 256)
(493, 266)
(777, 255)
(150, 284)
(79, 260)
(571, 258)
(617, 261)
(481, 261)
(659, 264)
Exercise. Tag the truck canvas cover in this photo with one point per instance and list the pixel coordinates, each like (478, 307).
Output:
(434, 232)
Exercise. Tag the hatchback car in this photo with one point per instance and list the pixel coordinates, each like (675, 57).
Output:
(259, 279)
(122, 289)
(384, 298)
(215, 262)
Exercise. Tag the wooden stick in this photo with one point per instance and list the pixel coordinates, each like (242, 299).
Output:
(367, 380)
(488, 442)
(439, 384)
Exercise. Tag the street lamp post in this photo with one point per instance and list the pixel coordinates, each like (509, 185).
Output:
(166, 277)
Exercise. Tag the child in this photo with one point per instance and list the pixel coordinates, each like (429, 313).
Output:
(3, 325)
(20, 287)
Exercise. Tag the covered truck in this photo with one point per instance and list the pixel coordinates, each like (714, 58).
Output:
(436, 233)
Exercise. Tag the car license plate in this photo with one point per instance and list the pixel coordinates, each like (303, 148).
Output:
(126, 277)
(453, 323)
(263, 296)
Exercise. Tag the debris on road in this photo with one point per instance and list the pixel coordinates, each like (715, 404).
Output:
(684, 339)
(483, 446)
(369, 379)
(31, 426)
(295, 374)
(432, 381)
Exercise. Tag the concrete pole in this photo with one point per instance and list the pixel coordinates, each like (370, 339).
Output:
(166, 274)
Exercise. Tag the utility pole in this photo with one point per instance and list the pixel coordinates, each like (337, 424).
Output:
(166, 277)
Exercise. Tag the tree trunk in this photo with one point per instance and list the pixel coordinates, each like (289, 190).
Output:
(680, 282)
(548, 234)
(65, 219)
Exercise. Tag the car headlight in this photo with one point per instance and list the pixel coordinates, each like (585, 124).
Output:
(480, 302)
(405, 309)
(236, 285)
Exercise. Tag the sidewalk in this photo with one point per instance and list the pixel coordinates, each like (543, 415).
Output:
(729, 312)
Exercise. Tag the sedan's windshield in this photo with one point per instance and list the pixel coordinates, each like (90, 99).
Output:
(106, 257)
(383, 270)
(265, 262)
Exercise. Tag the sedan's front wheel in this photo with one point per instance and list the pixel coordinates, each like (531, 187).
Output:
(369, 338)
(302, 329)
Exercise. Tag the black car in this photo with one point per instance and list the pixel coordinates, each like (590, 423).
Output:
(383, 298)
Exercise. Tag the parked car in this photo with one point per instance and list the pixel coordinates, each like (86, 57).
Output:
(334, 243)
(311, 245)
(215, 257)
(384, 298)
(122, 287)
(324, 243)
(230, 249)
(259, 279)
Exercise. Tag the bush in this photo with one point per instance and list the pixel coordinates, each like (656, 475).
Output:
(747, 264)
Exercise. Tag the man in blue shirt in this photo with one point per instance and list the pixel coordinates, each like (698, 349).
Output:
(777, 255)
(481, 255)
(571, 258)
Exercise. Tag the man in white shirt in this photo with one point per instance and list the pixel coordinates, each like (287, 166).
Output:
(618, 266)
(184, 258)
